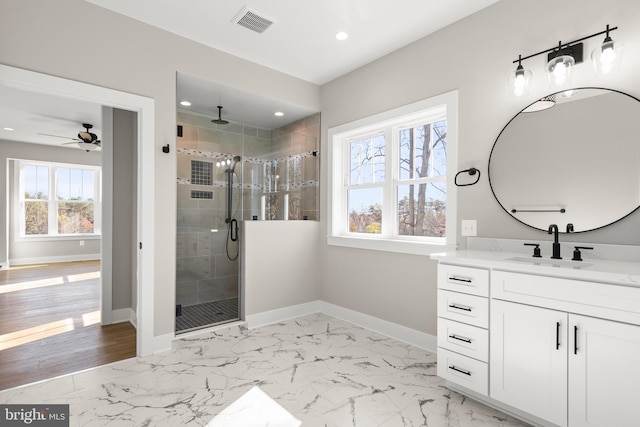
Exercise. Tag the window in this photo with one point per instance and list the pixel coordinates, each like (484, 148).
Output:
(391, 179)
(58, 200)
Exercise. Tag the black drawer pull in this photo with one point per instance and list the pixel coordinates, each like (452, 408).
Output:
(575, 339)
(458, 307)
(462, 371)
(459, 279)
(455, 337)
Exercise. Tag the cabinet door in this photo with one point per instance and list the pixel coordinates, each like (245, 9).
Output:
(604, 373)
(528, 359)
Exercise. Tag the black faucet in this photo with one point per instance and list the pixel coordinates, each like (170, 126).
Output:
(553, 229)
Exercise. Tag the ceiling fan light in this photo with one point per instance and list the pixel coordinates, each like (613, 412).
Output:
(87, 146)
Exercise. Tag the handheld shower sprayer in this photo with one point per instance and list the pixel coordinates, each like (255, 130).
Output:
(236, 159)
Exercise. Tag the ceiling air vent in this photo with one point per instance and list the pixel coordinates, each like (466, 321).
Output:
(253, 20)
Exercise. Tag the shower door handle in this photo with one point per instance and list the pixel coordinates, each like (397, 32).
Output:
(234, 230)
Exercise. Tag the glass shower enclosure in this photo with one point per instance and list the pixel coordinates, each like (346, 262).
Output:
(229, 173)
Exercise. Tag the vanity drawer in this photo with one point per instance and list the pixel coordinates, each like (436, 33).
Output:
(608, 301)
(463, 370)
(464, 339)
(464, 308)
(469, 280)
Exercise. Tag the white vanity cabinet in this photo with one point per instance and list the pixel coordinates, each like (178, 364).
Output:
(463, 319)
(565, 367)
(553, 346)
(529, 359)
(604, 373)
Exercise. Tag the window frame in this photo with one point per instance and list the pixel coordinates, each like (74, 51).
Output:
(391, 120)
(52, 201)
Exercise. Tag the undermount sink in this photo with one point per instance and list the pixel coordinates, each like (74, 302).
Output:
(551, 262)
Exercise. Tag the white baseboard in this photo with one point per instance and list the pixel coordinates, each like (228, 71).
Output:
(282, 314)
(50, 259)
(162, 342)
(384, 327)
(124, 315)
(390, 329)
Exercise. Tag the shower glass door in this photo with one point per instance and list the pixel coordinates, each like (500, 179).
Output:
(209, 196)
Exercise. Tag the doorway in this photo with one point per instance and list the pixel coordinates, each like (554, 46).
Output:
(145, 184)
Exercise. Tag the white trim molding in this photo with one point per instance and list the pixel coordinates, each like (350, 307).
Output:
(393, 330)
(52, 259)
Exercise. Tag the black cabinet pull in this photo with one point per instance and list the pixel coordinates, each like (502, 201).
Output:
(455, 337)
(459, 279)
(575, 339)
(462, 371)
(557, 335)
(457, 307)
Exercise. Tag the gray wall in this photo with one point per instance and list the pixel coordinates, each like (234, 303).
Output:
(40, 249)
(124, 208)
(474, 56)
(281, 264)
(130, 56)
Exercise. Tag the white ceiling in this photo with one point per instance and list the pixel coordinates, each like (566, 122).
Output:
(300, 43)
(33, 113)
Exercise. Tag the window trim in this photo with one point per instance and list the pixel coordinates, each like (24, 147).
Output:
(19, 234)
(337, 235)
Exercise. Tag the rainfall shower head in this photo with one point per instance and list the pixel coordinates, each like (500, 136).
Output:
(219, 120)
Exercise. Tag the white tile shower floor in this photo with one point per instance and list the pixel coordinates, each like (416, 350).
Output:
(324, 371)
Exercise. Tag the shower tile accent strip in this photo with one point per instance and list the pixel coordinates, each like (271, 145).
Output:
(201, 172)
(196, 194)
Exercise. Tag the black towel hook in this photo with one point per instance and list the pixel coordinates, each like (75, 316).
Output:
(470, 171)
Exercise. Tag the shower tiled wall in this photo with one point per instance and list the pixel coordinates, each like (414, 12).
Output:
(203, 271)
(292, 171)
(279, 172)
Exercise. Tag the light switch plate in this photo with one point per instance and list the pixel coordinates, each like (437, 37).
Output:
(469, 227)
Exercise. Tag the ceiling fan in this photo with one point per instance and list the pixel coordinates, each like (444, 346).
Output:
(86, 140)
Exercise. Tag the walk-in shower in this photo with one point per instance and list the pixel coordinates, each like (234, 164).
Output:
(230, 172)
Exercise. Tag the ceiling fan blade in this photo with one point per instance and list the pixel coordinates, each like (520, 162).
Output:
(98, 143)
(71, 142)
(57, 136)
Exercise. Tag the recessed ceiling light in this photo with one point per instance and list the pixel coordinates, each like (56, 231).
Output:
(8, 129)
(341, 35)
(278, 113)
(185, 103)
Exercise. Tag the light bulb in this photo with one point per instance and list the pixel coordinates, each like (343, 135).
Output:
(519, 81)
(559, 69)
(607, 57)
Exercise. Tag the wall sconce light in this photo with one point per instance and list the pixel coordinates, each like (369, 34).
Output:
(607, 57)
(562, 58)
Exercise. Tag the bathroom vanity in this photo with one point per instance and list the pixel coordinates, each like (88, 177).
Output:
(553, 342)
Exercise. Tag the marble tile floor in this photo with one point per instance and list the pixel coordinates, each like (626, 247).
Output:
(324, 371)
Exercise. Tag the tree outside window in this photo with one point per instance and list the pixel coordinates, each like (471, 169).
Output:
(58, 199)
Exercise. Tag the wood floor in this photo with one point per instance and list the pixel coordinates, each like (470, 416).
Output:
(50, 323)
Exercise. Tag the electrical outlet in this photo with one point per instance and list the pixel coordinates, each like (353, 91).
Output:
(469, 227)
(81, 242)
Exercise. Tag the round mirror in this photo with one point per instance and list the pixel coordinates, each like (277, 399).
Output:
(572, 157)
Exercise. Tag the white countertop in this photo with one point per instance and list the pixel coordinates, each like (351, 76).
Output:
(594, 270)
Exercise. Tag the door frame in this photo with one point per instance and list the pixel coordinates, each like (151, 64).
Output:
(145, 109)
